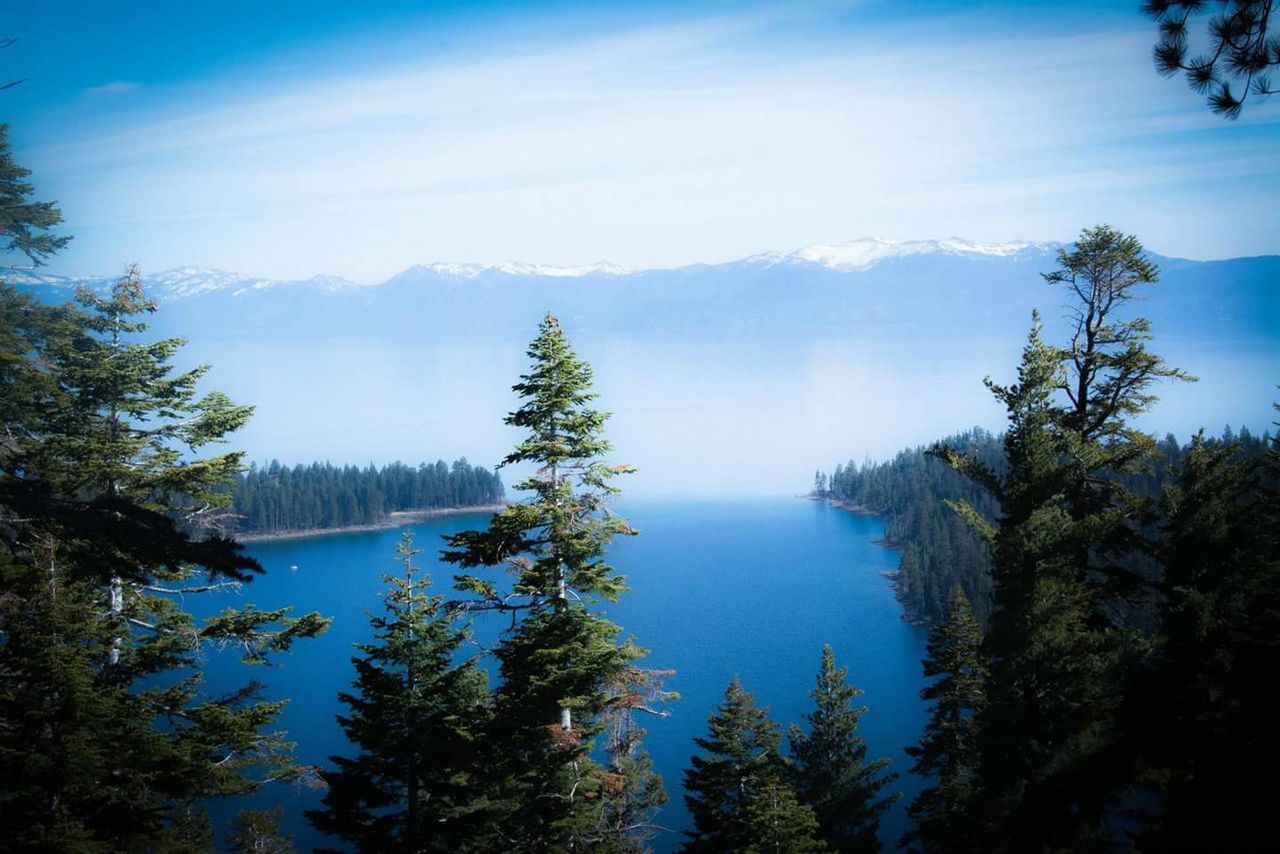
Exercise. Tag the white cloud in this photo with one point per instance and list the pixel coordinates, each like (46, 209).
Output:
(661, 146)
(115, 87)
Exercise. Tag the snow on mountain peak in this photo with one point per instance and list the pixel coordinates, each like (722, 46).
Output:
(864, 252)
(519, 268)
(183, 282)
(457, 271)
(849, 256)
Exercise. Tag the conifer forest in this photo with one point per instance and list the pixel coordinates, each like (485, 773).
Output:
(651, 616)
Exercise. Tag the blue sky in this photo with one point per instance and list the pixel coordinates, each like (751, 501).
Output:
(285, 139)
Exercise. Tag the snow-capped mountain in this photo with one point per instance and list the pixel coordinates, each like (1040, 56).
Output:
(868, 251)
(790, 352)
(827, 290)
(190, 281)
(182, 282)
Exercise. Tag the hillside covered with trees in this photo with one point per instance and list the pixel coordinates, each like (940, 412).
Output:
(939, 550)
(1104, 607)
(1128, 647)
(277, 498)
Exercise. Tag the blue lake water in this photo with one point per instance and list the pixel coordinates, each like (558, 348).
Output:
(718, 588)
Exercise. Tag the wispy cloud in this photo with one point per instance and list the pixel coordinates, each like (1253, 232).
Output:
(115, 87)
(664, 145)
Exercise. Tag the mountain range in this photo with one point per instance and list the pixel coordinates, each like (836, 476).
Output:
(818, 290)
(184, 282)
(783, 361)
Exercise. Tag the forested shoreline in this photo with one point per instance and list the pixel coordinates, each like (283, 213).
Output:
(1104, 610)
(276, 499)
(939, 550)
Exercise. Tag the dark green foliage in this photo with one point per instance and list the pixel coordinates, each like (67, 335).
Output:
(564, 673)
(276, 498)
(258, 832)
(24, 224)
(1049, 691)
(107, 738)
(1107, 379)
(948, 752)
(939, 550)
(738, 793)
(1202, 704)
(1063, 547)
(831, 772)
(635, 790)
(416, 718)
(1238, 48)
(776, 822)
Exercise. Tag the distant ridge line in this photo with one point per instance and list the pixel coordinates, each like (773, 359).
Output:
(846, 257)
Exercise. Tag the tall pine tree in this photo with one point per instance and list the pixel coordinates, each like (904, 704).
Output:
(415, 717)
(1060, 642)
(832, 774)
(948, 752)
(109, 738)
(561, 664)
(1045, 688)
(1107, 378)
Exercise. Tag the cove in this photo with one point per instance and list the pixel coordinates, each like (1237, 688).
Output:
(751, 588)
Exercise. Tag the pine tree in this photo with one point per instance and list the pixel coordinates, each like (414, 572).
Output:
(1046, 691)
(636, 792)
(415, 717)
(561, 663)
(25, 224)
(1203, 699)
(109, 741)
(1063, 550)
(776, 822)
(258, 832)
(1236, 47)
(1107, 379)
(948, 752)
(832, 774)
(738, 793)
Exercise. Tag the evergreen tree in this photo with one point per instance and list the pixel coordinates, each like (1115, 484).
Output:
(281, 498)
(939, 550)
(636, 791)
(1203, 700)
(1107, 379)
(948, 752)
(1241, 49)
(777, 823)
(1067, 537)
(561, 663)
(832, 774)
(258, 832)
(25, 224)
(106, 736)
(1045, 692)
(415, 717)
(738, 794)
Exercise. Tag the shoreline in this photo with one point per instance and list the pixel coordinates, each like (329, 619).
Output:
(893, 576)
(395, 519)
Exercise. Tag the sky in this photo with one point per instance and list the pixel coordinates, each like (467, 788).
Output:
(287, 139)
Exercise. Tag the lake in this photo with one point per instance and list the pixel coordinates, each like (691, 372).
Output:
(718, 588)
